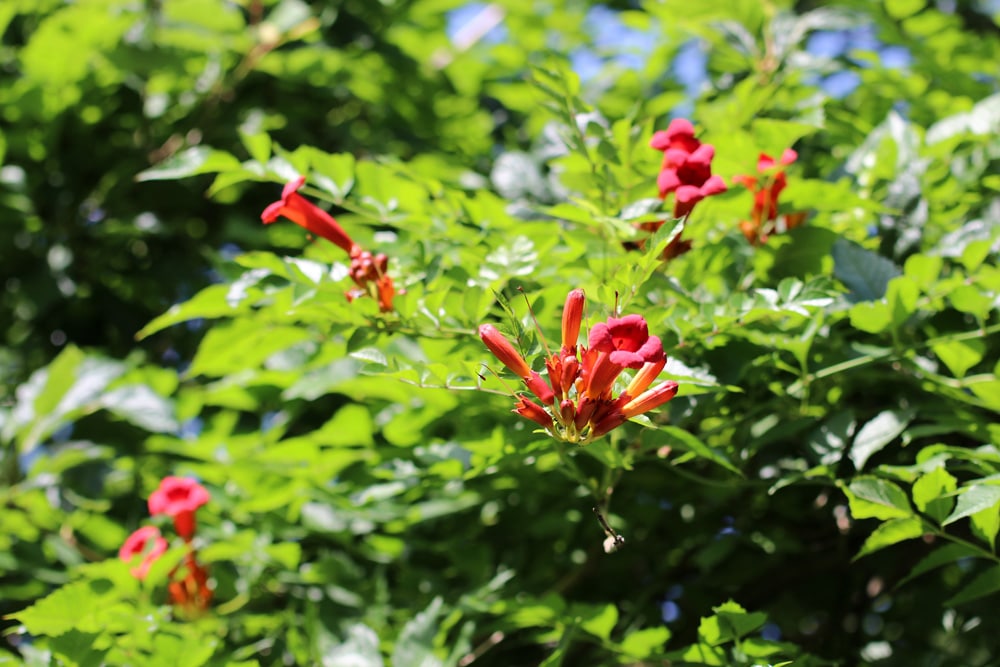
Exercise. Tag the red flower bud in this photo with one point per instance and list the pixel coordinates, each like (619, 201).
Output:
(572, 316)
(652, 398)
(504, 351)
(533, 411)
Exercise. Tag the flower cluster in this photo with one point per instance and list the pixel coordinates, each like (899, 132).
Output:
(369, 273)
(766, 188)
(577, 404)
(686, 170)
(178, 498)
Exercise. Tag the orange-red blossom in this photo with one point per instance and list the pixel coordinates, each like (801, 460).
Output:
(187, 584)
(369, 273)
(766, 188)
(577, 404)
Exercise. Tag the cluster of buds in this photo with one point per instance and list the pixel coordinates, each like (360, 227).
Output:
(766, 187)
(577, 403)
(187, 587)
(369, 273)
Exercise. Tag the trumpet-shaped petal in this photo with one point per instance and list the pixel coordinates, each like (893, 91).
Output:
(652, 398)
(678, 135)
(649, 371)
(178, 498)
(304, 213)
(686, 169)
(512, 359)
(539, 387)
(176, 495)
(627, 341)
(610, 421)
(146, 542)
(533, 411)
(504, 351)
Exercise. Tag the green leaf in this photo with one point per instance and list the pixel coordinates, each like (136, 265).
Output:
(976, 252)
(891, 532)
(865, 273)
(598, 620)
(674, 436)
(79, 648)
(257, 143)
(985, 583)
(211, 302)
(876, 498)
(985, 524)
(69, 387)
(877, 433)
(981, 119)
(971, 299)
(334, 173)
(142, 406)
(730, 623)
(932, 493)
(974, 498)
(960, 355)
(190, 162)
(359, 649)
(773, 135)
(871, 317)
(901, 295)
(805, 255)
(645, 643)
(924, 270)
(948, 553)
(900, 9)
(79, 605)
(828, 441)
(415, 646)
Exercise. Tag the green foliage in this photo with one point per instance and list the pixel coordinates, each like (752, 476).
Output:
(822, 490)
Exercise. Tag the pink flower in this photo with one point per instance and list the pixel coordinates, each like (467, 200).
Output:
(579, 405)
(686, 171)
(146, 542)
(619, 344)
(678, 135)
(304, 213)
(178, 498)
(692, 173)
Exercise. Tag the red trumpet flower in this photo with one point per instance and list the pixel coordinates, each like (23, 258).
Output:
(578, 404)
(686, 171)
(304, 213)
(178, 498)
(146, 542)
(766, 188)
(369, 272)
